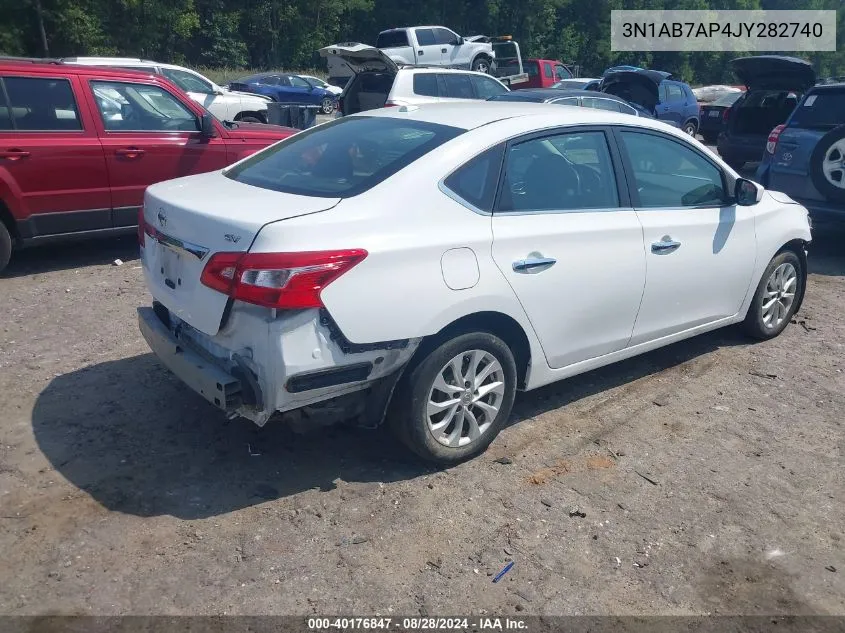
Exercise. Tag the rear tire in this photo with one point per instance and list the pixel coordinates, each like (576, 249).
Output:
(327, 106)
(690, 127)
(777, 297)
(446, 422)
(250, 119)
(5, 246)
(710, 139)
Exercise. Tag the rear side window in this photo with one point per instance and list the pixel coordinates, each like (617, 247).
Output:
(458, 86)
(39, 105)
(822, 110)
(485, 87)
(532, 68)
(343, 158)
(425, 37)
(425, 84)
(547, 71)
(392, 39)
(563, 172)
(476, 181)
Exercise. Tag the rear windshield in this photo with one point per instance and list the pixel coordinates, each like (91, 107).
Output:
(392, 39)
(343, 158)
(570, 85)
(532, 68)
(727, 99)
(823, 109)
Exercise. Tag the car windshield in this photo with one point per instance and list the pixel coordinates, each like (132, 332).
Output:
(727, 99)
(343, 158)
(821, 110)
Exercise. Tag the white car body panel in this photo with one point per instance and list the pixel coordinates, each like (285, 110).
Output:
(433, 260)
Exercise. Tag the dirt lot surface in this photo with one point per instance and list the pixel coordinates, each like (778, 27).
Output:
(703, 478)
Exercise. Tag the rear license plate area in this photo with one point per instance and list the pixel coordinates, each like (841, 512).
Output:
(171, 267)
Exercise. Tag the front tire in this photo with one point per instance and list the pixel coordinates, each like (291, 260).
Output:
(250, 119)
(690, 127)
(456, 400)
(5, 246)
(481, 65)
(777, 298)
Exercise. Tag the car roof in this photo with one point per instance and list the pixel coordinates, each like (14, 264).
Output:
(48, 67)
(469, 116)
(443, 69)
(833, 87)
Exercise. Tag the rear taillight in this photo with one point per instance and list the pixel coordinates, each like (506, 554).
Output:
(726, 115)
(278, 280)
(772, 141)
(390, 104)
(338, 105)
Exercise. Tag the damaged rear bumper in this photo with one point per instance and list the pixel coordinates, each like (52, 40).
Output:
(262, 363)
(219, 387)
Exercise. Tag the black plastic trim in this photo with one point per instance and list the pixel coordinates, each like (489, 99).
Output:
(331, 377)
(348, 347)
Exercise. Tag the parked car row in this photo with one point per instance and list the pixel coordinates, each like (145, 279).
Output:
(79, 144)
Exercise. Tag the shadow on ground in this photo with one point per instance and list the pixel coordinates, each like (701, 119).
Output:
(54, 257)
(132, 436)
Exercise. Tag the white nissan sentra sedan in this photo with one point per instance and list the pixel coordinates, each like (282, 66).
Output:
(421, 264)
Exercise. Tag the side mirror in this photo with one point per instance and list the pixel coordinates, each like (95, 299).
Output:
(207, 126)
(747, 193)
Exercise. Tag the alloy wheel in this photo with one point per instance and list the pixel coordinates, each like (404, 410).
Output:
(465, 398)
(833, 165)
(779, 295)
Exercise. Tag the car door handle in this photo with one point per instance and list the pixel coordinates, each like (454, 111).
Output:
(421, 53)
(129, 152)
(14, 154)
(665, 246)
(534, 264)
(444, 50)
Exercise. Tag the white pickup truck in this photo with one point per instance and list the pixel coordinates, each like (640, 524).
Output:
(436, 46)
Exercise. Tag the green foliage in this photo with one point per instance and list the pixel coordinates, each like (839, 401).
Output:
(285, 34)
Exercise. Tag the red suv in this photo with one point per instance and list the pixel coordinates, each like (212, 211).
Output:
(80, 144)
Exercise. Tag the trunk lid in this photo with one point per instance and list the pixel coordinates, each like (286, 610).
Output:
(776, 72)
(195, 217)
(637, 86)
(358, 58)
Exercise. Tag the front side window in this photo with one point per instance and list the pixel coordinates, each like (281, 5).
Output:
(425, 84)
(343, 158)
(486, 87)
(40, 105)
(129, 107)
(445, 36)
(425, 37)
(299, 82)
(476, 181)
(667, 173)
(187, 81)
(571, 171)
(458, 86)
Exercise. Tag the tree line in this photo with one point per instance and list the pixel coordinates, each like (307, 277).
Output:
(285, 34)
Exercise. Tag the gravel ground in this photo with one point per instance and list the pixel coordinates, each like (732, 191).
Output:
(706, 477)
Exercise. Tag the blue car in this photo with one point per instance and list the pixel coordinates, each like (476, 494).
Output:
(669, 100)
(287, 88)
(805, 157)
